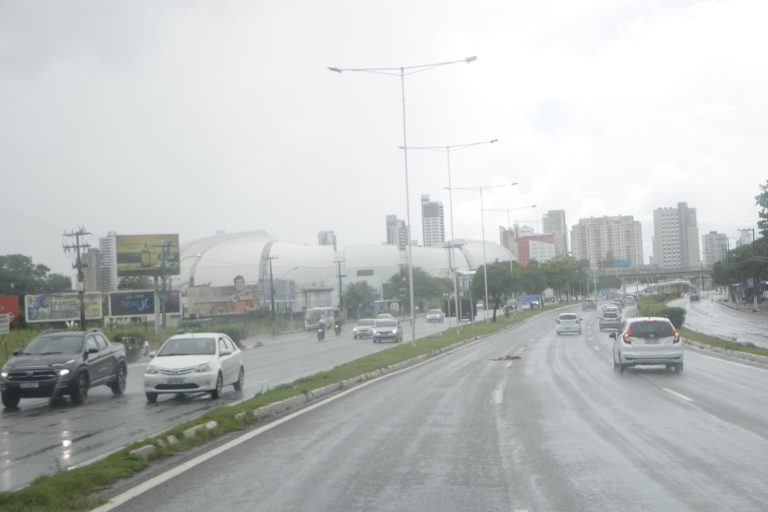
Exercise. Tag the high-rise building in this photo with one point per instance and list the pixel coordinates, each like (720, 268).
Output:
(676, 238)
(327, 238)
(108, 275)
(554, 222)
(608, 242)
(432, 221)
(93, 270)
(397, 232)
(715, 246)
(508, 238)
(745, 237)
(535, 247)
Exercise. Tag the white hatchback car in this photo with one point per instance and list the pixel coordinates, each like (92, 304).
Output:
(650, 340)
(194, 363)
(568, 322)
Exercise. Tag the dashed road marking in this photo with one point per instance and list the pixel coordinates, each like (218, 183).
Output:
(678, 395)
(498, 394)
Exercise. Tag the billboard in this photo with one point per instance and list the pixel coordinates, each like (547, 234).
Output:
(142, 255)
(60, 307)
(141, 302)
(10, 304)
(208, 301)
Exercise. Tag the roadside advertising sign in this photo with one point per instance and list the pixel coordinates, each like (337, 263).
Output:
(142, 302)
(621, 263)
(61, 307)
(5, 323)
(147, 255)
(10, 304)
(527, 299)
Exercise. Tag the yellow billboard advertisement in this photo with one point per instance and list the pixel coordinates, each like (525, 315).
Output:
(147, 255)
(61, 307)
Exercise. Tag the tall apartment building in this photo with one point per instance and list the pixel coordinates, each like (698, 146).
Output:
(432, 221)
(508, 237)
(745, 237)
(715, 246)
(535, 247)
(606, 242)
(397, 232)
(554, 222)
(676, 238)
(108, 275)
(327, 238)
(93, 270)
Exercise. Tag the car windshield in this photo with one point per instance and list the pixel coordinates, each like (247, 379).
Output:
(365, 322)
(188, 347)
(610, 315)
(65, 343)
(568, 316)
(652, 328)
(386, 322)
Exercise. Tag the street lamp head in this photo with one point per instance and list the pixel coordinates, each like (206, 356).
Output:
(335, 70)
(470, 59)
(493, 141)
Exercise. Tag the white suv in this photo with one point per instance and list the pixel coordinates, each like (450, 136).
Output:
(651, 340)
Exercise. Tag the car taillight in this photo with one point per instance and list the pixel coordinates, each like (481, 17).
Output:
(676, 335)
(627, 335)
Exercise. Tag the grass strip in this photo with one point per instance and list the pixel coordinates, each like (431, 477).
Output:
(714, 341)
(75, 490)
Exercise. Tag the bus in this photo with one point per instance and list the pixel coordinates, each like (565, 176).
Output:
(312, 317)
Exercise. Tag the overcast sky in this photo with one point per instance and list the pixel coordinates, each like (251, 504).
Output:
(195, 116)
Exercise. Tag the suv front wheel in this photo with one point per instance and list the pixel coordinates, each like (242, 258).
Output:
(79, 392)
(10, 399)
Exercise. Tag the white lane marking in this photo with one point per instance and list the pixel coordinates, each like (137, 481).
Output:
(160, 479)
(678, 395)
(508, 365)
(731, 362)
(498, 394)
(596, 347)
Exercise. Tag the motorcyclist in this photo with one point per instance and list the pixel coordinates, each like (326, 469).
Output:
(337, 326)
(321, 330)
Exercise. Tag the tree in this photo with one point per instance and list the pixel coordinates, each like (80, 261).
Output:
(426, 288)
(762, 201)
(19, 275)
(499, 284)
(358, 293)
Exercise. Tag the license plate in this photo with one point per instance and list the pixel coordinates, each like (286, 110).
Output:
(651, 342)
(29, 385)
(175, 380)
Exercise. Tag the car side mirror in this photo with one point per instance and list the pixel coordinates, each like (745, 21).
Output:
(612, 335)
(93, 350)
(152, 354)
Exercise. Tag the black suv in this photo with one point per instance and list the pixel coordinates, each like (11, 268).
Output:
(60, 363)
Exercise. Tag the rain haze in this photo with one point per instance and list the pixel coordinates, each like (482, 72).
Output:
(194, 117)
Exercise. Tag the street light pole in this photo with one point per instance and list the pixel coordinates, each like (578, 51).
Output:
(402, 72)
(451, 258)
(482, 227)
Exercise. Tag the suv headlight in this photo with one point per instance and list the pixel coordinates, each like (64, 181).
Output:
(204, 368)
(151, 369)
(4, 374)
(63, 372)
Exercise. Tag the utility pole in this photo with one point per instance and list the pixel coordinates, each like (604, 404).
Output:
(340, 275)
(79, 266)
(272, 292)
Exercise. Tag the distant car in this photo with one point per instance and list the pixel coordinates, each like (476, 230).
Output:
(694, 297)
(387, 329)
(436, 316)
(648, 341)
(588, 304)
(610, 320)
(63, 363)
(629, 300)
(568, 322)
(194, 363)
(363, 328)
(384, 315)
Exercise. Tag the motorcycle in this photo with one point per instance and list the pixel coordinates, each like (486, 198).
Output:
(337, 329)
(321, 334)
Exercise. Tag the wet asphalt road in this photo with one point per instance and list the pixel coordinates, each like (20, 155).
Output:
(556, 430)
(40, 437)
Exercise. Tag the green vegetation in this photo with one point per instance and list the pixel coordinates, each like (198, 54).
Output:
(74, 490)
(656, 305)
(723, 344)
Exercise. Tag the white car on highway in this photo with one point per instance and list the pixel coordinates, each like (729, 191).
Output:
(194, 363)
(568, 322)
(649, 340)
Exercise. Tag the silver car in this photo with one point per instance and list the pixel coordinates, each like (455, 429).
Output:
(363, 328)
(568, 322)
(651, 340)
(387, 329)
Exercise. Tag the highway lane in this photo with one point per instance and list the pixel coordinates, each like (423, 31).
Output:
(557, 430)
(40, 438)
